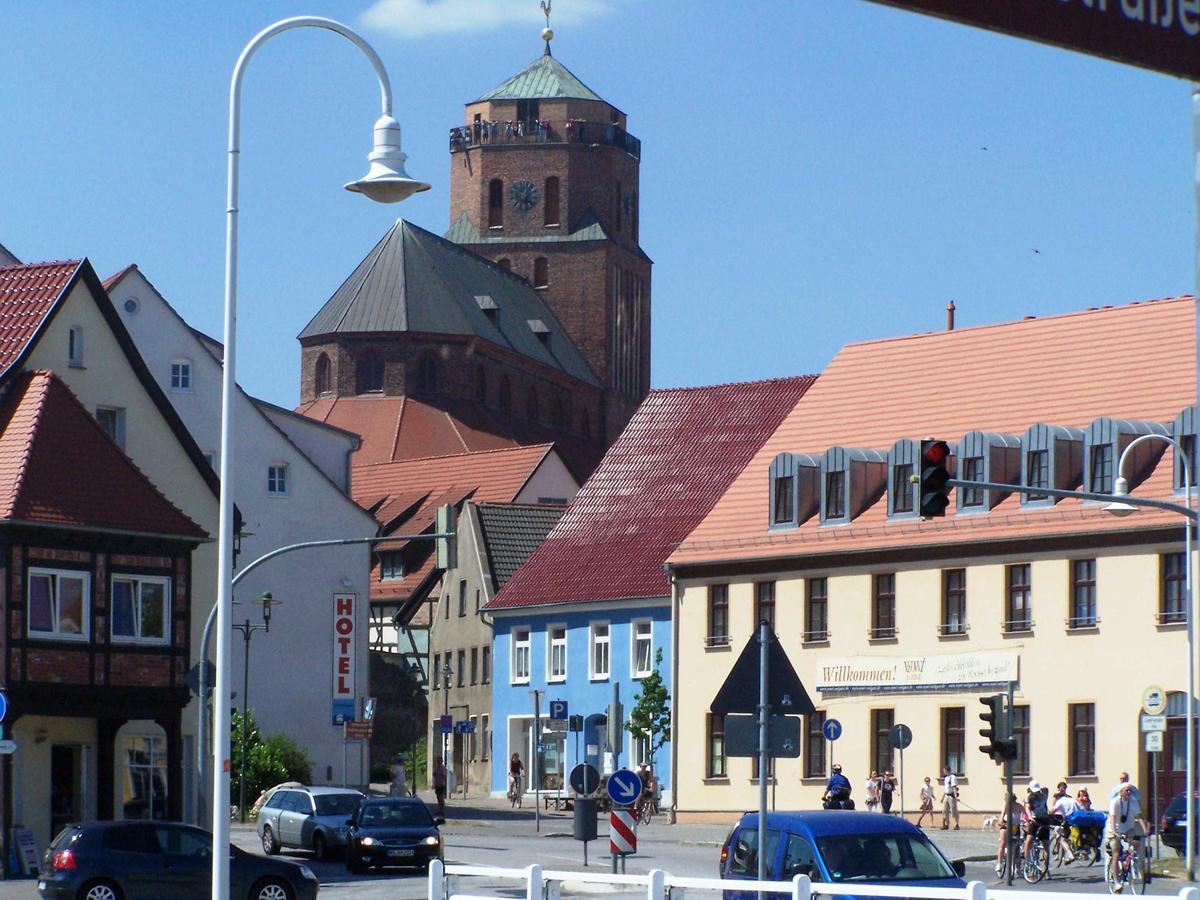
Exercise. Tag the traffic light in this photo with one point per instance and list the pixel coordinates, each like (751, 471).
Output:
(1000, 745)
(447, 547)
(934, 495)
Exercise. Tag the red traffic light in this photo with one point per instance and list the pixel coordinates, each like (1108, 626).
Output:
(935, 453)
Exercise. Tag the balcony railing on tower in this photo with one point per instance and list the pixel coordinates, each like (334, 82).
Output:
(536, 131)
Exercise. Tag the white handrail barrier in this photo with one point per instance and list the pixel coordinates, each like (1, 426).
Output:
(546, 885)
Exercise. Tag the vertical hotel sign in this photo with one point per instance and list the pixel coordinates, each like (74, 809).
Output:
(344, 627)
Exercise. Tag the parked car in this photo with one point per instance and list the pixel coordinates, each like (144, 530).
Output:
(393, 831)
(1174, 823)
(837, 846)
(139, 860)
(311, 818)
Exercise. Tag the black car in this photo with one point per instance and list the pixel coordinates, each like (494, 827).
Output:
(393, 831)
(132, 860)
(1174, 823)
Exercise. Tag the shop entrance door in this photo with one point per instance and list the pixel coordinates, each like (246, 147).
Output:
(66, 785)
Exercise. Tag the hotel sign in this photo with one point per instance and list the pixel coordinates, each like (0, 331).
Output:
(344, 657)
(914, 674)
(1163, 35)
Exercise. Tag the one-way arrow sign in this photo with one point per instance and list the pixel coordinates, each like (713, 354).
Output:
(785, 694)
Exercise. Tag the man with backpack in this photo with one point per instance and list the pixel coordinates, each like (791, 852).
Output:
(1037, 805)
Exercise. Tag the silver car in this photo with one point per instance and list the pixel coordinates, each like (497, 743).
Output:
(311, 818)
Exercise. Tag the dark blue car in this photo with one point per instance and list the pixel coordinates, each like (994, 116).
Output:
(838, 847)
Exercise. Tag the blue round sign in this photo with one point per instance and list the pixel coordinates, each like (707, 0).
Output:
(3, 705)
(624, 787)
(832, 729)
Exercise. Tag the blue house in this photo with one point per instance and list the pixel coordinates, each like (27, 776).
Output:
(590, 610)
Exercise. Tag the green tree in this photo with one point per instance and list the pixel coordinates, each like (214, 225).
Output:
(269, 761)
(650, 718)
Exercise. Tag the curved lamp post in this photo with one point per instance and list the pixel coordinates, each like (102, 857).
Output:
(1121, 488)
(386, 182)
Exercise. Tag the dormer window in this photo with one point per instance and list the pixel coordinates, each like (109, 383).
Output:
(902, 463)
(1037, 472)
(783, 504)
(794, 489)
(835, 494)
(972, 469)
(1100, 469)
(1184, 431)
(1106, 441)
(984, 456)
(852, 480)
(1053, 458)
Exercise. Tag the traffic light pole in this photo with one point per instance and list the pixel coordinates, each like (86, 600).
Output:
(1011, 844)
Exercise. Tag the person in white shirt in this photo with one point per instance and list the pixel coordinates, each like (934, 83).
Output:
(1124, 818)
(399, 786)
(872, 787)
(927, 798)
(949, 798)
(1064, 804)
(1123, 780)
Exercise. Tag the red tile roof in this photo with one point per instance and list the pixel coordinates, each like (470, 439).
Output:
(27, 294)
(675, 458)
(1129, 362)
(58, 467)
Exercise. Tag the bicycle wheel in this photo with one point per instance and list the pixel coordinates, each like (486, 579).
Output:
(1109, 879)
(1034, 869)
(645, 813)
(1139, 872)
(1056, 851)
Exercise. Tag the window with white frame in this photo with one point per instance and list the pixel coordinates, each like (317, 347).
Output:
(75, 347)
(140, 608)
(599, 657)
(181, 374)
(144, 792)
(59, 603)
(556, 665)
(277, 479)
(112, 420)
(520, 656)
(391, 565)
(643, 652)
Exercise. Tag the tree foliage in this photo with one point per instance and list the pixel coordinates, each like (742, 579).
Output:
(650, 717)
(269, 761)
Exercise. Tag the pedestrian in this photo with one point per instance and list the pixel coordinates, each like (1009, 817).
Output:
(399, 786)
(1083, 799)
(949, 798)
(927, 796)
(1063, 805)
(1121, 782)
(887, 786)
(872, 798)
(439, 784)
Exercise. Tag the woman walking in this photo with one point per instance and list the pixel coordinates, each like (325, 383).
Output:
(927, 795)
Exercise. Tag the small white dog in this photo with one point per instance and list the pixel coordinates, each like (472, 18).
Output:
(991, 822)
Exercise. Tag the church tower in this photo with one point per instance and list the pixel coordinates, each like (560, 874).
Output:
(544, 182)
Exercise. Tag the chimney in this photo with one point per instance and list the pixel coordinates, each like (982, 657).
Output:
(950, 316)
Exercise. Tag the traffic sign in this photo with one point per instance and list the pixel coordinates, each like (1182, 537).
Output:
(742, 736)
(622, 831)
(1154, 741)
(357, 731)
(447, 724)
(7, 747)
(624, 787)
(585, 778)
(3, 705)
(464, 727)
(832, 729)
(900, 736)
(558, 709)
(193, 681)
(1154, 701)
(785, 694)
(1154, 723)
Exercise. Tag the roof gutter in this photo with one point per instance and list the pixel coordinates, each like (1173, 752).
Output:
(95, 529)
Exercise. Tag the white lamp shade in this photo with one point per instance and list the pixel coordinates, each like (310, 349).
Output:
(386, 181)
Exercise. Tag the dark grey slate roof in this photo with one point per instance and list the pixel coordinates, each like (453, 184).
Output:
(418, 282)
(544, 79)
(511, 532)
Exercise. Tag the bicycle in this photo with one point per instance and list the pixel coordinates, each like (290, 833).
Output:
(514, 791)
(1085, 851)
(1130, 868)
(647, 807)
(1037, 861)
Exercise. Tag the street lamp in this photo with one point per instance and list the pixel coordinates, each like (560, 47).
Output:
(247, 628)
(1116, 508)
(385, 181)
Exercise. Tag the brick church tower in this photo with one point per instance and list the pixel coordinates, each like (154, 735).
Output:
(544, 182)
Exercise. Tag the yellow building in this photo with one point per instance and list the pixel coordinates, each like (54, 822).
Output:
(889, 619)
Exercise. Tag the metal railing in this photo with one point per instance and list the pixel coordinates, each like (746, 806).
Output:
(487, 134)
(545, 884)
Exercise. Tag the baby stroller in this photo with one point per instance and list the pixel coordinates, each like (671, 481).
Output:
(1084, 831)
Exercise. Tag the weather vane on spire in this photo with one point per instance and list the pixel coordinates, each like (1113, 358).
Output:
(547, 34)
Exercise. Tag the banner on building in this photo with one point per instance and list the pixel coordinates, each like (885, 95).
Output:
(905, 674)
(344, 636)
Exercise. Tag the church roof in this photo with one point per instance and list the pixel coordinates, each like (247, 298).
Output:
(415, 281)
(544, 79)
(588, 228)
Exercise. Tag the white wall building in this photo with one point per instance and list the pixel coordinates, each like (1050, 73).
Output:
(285, 495)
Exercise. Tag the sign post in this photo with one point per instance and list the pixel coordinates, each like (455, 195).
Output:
(832, 730)
(900, 736)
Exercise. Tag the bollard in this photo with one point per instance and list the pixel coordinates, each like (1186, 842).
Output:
(801, 887)
(976, 890)
(533, 889)
(437, 883)
(656, 882)
(1189, 893)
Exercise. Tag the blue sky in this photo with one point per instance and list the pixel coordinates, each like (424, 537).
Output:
(814, 172)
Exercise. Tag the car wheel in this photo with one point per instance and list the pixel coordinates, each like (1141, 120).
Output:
(100, 890)
(271, 889)
(320, 848)
(270, 845)
(353, 864)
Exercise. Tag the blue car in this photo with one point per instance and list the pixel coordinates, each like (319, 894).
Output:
(837, 846)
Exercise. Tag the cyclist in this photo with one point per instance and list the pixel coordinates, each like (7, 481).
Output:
(1064, 804)
(1124, 819)
(1015, 811)
(837, 790)
(648, 786)
(516, 769)
(1038, 809)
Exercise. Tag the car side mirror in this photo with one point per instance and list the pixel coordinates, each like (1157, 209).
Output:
(439, 821)
(960, 868)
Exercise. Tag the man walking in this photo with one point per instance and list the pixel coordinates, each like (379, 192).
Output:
(439, 785)
(949, 798)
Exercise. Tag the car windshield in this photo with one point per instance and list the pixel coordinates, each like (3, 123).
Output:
(396, 815)
(337, 804)
(882, 857)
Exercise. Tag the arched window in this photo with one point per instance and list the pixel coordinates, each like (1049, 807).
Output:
(541, 272)
(505, 394)
(550, 207)
(323, 380)
(531, 404)
(496, 203)
(370, 372)
(427, 374)
(505, 263)
(480, 383)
